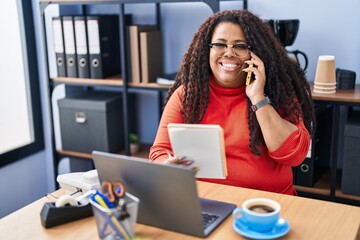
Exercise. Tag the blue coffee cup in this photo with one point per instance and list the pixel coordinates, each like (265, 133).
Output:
(259, 214)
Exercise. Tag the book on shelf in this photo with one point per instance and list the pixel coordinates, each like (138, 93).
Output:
(166, 79)
(134, 44)
(151, 56)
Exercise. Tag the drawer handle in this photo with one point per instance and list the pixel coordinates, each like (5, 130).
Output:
(80, 117)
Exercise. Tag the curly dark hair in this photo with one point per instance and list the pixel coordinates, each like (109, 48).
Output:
(285, 80)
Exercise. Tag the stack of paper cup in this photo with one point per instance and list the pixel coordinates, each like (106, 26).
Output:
(325, 77)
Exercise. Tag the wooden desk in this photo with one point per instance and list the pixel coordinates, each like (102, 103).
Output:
(308, 218)
(340, 98)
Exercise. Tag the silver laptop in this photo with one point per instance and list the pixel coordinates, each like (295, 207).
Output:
(168, 194)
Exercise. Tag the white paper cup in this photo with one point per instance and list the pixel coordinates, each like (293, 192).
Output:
(326, 70)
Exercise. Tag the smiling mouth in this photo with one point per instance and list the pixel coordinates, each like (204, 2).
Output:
(229, 65)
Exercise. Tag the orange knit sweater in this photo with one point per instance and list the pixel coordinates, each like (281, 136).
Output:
(228, 108)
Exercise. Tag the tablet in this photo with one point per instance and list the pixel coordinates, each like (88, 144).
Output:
(203, 143)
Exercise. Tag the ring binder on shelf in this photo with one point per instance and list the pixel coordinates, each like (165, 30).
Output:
(59, 46)
(104, 45)
(82, 56)
(70, 49)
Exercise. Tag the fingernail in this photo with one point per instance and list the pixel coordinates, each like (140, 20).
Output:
(169, 154)
(189, 162)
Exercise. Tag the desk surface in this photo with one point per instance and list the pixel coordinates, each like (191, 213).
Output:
(352, 96)
(308, 218)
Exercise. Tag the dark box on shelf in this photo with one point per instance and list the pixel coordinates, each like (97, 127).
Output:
(350, 183)
(345, 79)
(317, 161)
(92, 121)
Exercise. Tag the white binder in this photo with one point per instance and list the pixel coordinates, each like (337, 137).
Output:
(59, 46)
(70, 48)
(82, 57)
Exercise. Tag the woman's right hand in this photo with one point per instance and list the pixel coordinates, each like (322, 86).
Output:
(179, 160)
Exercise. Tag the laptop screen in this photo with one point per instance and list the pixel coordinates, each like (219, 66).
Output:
(168, 193)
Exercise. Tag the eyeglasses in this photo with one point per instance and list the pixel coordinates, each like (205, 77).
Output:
(239, 50)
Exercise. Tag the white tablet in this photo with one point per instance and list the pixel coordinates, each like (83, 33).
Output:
(203, 143)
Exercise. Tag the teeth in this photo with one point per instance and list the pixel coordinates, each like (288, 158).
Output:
(229, 65)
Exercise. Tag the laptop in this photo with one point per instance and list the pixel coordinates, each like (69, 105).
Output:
(168, 194)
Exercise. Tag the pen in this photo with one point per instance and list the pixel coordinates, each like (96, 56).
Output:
(119, 227)
(105, 199)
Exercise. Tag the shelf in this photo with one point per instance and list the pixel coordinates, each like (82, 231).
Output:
(322, 187)
(213, 4)
(144, 153)
(121, 1)
(340, 194)
(74, 154)
(149, 85)
(111, 81)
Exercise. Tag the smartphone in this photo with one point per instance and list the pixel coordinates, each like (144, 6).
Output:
(248, 77)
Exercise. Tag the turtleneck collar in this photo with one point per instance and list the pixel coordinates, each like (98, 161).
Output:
(226, 91)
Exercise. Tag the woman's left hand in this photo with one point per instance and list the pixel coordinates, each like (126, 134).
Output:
(255, 90)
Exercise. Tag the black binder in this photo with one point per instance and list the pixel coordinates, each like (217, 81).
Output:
(58, 39)
(70, 48)
(82, 56)
(104, 45)
(317, 162)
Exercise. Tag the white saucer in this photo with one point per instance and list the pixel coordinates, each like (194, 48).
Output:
(281, 228)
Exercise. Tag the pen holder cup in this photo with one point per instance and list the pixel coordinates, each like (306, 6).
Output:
(109, 222)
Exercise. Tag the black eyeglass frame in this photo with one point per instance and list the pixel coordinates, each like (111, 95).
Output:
(233, 46)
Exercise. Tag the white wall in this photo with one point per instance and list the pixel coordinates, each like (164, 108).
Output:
(327, 27)
(24, 182)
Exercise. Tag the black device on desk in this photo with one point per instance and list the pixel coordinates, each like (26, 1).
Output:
(168, 194)
(51, 215)
(66, 209)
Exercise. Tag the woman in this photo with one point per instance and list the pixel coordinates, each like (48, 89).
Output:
(266, 123)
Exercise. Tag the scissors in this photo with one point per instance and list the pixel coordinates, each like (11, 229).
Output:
(113, 190)
(116, 191)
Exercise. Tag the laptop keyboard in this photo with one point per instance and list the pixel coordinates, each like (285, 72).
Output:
(208, 219)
